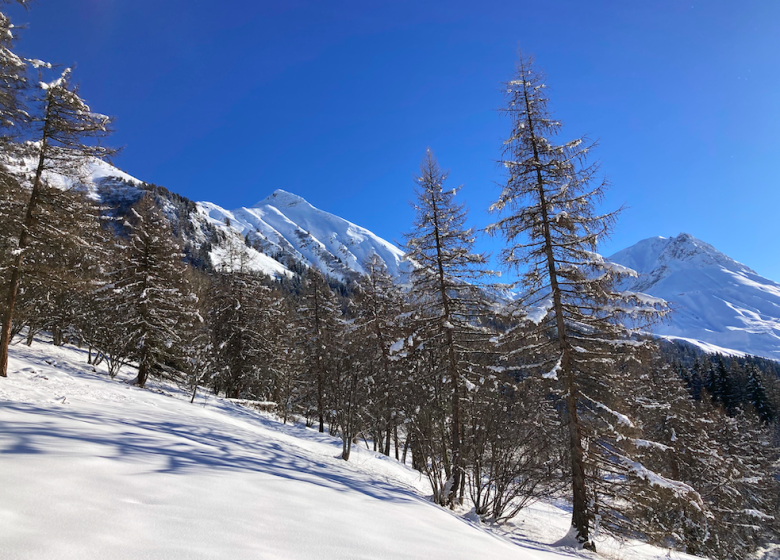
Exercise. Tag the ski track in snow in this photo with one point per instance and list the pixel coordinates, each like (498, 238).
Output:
(94, 468)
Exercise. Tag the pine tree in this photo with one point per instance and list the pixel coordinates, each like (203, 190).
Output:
(547, 216)
(243, 311)
(62, 124)
(378, 331)
(153, 303)
(756, 395)
(450, 303)
(13, 78)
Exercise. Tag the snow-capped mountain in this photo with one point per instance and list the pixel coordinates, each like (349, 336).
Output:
(280, 232)
(285, 225)
(718, 301)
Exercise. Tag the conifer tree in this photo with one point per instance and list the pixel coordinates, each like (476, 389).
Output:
(320, 328)
(61, 125)
(756, 395)
(242, 314)
(378, 330)
(13, 78)
(450, 303)
(547, 217)
(153, 302)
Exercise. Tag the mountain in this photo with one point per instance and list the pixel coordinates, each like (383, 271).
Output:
(287, 227)
(276, 236)
(719, 303)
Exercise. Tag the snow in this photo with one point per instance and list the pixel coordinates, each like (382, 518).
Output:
(537, 314)
(288, 224)
(553, 373)
(718, 302)
(96, 468)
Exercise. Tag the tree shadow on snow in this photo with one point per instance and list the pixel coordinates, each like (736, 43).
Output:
(177, 448)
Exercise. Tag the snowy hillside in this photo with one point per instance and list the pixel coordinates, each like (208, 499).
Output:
(285, 224)
(719, 303)
(94, 468)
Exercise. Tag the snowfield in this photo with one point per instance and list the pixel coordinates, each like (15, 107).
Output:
(94, 469)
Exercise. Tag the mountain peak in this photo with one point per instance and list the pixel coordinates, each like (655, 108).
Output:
(282, 198)
(683, 250)
(717, 300)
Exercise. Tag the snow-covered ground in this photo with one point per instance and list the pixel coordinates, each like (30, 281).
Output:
(93, 468)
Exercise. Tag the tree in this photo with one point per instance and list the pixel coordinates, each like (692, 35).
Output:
(242, 314)
(756, 395)
(152, 300)
(377, 328)
(450, 303)
(13, 78)
(62, 124)
(320, 327)
(547, 217)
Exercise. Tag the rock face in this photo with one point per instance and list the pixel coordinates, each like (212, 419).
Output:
(717, 300)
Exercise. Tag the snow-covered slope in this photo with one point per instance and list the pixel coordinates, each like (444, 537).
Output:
(94, 468)
(285, 224)
(717, 300)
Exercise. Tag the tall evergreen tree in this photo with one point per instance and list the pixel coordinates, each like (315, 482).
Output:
(756, 395)
(378, 331)
(152, 300)
(320, 329)
(547, 216)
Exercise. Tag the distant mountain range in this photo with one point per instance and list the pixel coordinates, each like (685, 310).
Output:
(720, 304)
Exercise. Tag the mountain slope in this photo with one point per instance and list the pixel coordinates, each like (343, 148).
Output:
(280, 232)
(717, 300)
(286, 225)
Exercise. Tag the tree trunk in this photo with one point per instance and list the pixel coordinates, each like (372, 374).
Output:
(579, 520)
(143, 373)
(24, 242)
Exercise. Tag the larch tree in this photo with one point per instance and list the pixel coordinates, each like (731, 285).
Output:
(320, 329)
(64, 130)
(449, 301)
(378, 329)
(13, 78)
(152, 300)
(546, 214)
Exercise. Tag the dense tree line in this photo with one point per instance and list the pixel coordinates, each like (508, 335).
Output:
(497, 401)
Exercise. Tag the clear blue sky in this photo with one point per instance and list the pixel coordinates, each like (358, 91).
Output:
(337, 100)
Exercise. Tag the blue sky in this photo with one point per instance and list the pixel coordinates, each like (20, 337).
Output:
(337, 101)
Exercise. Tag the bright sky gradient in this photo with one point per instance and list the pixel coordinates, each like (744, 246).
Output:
(337, 100)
